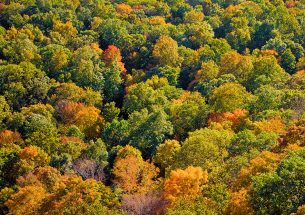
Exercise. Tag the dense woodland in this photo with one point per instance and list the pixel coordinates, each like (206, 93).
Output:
(145, 107)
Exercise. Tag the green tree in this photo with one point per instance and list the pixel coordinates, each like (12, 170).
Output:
(266, 98)
(55, 59)
(110, 112)
(171, 73)
(97, 151)
(198, 34)
(188, 113)
(4, 111)
(148, 130)
(143, 96)
(205, 148)
(23, 84)
(114, 73)
(288, 61)
(246, 141)
(87, 69)
(266, 71)
(240, 33)
(281, 191)
(229, 97)
(112, 31)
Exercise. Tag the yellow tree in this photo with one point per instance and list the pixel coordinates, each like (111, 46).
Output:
(63, 33)
(185, 184)
(27, 200)
(45, 191)
(238, 65)
(131, 173)
(89, 121)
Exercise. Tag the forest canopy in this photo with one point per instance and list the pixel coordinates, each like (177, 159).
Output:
(146, 107)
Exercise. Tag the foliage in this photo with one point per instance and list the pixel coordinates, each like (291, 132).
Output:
(128, 107)
(184, 184)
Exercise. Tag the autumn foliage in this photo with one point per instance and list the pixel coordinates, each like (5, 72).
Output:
(152, 107)
(185, 184)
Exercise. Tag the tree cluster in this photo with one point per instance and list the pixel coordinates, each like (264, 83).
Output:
(147, 107)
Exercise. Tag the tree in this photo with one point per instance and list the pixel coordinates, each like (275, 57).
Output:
(89, 121)
(46, 139)
(66, 110)
(188, 113)
(240, 203)
(216, 48)
(110, 112)
(8, 158)
(21, 48)
(30, 158)
(63, 33)
(165, 52)
(116, 133)
(37, 122)
(149, 203)
(205, 148)
(9, 139)
(193, 16)
(245, 141)
(114, 74)
(236, 120)
(56, 59)
(148, 130)
(69, 91)
(73, 131)
(45, 110)
(23, 84)
(209, 70)
(97, 151)
(86, 118)
(46, 191)
(185, 184)
(294, 135)
(266, 98)
(229, 96)
(166, 153)
(87, 169)
(198, 34)
(170, 73)
(87, 68)
(73, 146)
(238, 65)
(132, 174)
(27, 200)
(141, 96)
(111, 32)
(265, 162)
(261, 35)
(4, 111)
(266, 71)
(280, 191)
(112, 54)
(273, 125)
(288, 61)
(240, 34)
